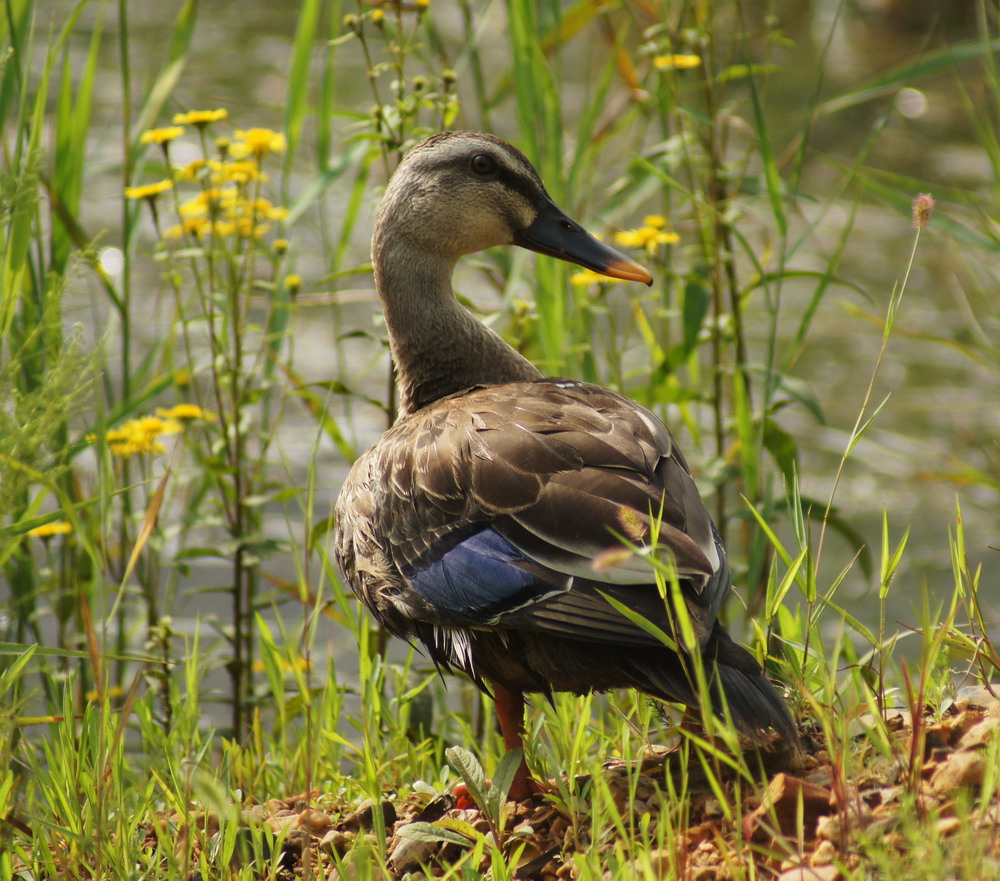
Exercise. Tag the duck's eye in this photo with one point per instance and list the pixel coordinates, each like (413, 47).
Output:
(484, 165)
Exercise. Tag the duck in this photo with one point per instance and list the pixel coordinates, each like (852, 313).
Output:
(504, 521)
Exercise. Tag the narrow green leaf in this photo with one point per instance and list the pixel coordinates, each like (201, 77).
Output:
(641, 622)
(503, 777)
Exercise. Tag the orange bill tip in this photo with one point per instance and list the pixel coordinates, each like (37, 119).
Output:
(627, 269)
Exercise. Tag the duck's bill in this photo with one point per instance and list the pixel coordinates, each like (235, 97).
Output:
(555, 234)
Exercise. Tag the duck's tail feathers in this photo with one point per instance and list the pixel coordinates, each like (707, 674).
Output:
(754, 703)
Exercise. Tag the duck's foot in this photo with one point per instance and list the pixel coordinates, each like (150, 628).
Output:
(520, 790)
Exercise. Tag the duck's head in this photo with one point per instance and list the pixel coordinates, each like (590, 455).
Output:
(460, 192)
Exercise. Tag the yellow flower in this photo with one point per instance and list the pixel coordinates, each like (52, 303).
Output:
(56, 527)
(280, 246)
(242, 172)
(190, 171)
(293, 282)
(655, 220)
(588, 277)
(185, 412)
(199, 117)
(257, 142)
(196, 227)
(140, 436)
(422, 4)
(378, 17)
(648, 237)
(676, 62)
(148, 191)
(248, 228)
(205, 203)
(161, 135)
(223, 228)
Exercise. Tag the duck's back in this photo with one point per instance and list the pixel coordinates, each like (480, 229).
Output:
(493, 525)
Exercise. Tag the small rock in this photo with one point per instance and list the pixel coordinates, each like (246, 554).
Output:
(834, 827)
(645, 787)
(821, 776)
(558, 829)
(947, 826)
(977, 696)
(712, 808)
(981, 734)
(335, 841)
(961, 769)
(280, 823)
(363, 816)
(811, 873)
(781, 805)
(824, 854)
(410, 854)
(255, 815)
(315, 822)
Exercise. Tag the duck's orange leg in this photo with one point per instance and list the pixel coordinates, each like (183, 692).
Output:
(510, 712)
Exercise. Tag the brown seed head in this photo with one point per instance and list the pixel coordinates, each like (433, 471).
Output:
(923, 207)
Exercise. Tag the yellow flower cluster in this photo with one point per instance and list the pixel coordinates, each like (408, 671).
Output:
(224, 212)
(142, 435)
(228, 204)
(237, 172)
(676, 62)
(648, 236)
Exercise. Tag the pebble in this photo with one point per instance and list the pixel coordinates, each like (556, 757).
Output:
(410, 853)
(824, 854)
(961, 769)
(947, 826)
(981, 734)
(810, 873)
(336, 842)
(977, 696)
(832, 828)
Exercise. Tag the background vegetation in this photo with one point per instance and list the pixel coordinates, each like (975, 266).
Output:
(190, 357)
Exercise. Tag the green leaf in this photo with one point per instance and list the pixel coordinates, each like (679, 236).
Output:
(432, 832)
(503, 777)
(468, 768)
(781, 445)
(697, 302)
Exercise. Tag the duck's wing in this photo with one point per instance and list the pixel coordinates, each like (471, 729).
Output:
(510, 506)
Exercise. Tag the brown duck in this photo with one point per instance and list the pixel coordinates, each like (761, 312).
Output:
(473, 524)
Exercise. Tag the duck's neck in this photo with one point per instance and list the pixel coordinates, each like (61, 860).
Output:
(439, 347)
